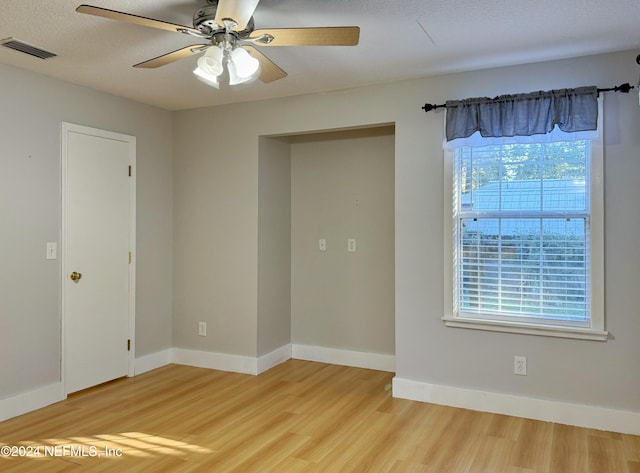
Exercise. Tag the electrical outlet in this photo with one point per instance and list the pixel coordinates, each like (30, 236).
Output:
(351, 245)
(520, 365)
(202, 329)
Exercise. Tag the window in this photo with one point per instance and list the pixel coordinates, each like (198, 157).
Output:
(524, 236)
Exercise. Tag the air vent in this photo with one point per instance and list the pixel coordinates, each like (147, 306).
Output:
(23, 47)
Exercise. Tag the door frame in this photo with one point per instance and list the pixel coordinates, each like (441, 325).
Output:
(66, 129)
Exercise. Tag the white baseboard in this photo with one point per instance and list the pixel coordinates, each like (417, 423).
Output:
(579, 415)
(218, 361)
(152, 361)
(215, 361)
(358, 359)
(255, 366)
(274, 358)
(30, 401)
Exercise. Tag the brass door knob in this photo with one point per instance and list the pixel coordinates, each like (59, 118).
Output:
(75, 276)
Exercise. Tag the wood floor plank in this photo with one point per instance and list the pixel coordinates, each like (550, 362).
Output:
(299, 417)
(633, 466)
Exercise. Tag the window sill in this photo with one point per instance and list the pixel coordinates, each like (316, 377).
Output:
(528, 329)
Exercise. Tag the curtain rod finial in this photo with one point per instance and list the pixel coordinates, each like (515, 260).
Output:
(624, 88)
(429, 106)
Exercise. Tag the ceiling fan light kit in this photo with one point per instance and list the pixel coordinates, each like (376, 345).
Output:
(210, 63)
(240, 65)
(206, 78)
(228, 26)
(225, 53)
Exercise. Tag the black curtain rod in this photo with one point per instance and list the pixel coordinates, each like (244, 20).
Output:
(624, 88)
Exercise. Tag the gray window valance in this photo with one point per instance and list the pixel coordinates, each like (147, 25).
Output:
(535, 113)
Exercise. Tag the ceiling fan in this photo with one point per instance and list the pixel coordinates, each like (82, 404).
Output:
(229, 54)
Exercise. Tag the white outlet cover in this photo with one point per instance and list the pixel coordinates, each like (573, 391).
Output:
(520, 365)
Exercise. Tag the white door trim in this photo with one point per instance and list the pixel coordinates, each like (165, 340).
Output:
(67, 128)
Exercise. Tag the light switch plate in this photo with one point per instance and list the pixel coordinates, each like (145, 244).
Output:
(52, 250)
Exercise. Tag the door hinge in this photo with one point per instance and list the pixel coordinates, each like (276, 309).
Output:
(129, 257)
(129, 345)
(129, 171)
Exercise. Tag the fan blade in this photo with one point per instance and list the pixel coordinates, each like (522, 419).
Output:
(269, 71)
(135, 19)
(328, 36)
(239, 11)
(172, 56)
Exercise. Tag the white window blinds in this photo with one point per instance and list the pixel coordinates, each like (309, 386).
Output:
(522, 223)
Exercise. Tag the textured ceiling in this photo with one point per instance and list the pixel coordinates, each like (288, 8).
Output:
(399, 40)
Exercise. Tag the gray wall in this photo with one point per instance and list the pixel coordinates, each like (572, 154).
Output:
(215, 250)
(274, 245)
(333, 185)
(582, 372)
(342, 187)
(216, 209)
(33, 107)
(215, 224)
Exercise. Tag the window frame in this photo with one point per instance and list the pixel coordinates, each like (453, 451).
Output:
(596, 329)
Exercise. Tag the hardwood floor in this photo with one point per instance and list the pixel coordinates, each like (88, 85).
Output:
(298, 417)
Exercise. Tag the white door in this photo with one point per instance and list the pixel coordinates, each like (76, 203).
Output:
(97, 238)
